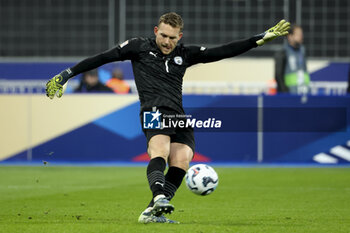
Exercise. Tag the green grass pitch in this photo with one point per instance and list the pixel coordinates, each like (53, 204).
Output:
(110, 199)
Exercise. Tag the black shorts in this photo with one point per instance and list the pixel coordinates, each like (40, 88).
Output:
(183, 135)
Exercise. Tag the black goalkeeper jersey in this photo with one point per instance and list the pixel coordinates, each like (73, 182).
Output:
(159, 77)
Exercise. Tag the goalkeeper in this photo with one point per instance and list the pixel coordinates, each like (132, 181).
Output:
(159, 65)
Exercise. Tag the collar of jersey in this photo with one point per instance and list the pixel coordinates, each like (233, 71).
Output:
(171, 55)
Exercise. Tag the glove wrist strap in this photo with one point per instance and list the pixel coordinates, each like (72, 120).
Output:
(257, 37)
(66, 74)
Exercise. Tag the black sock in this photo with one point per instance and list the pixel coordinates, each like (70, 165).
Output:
(173, 180)
(155, 175)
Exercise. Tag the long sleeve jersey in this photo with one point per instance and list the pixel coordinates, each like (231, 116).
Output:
(159, 77)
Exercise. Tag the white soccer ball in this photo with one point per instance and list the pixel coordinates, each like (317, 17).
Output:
(201, 179)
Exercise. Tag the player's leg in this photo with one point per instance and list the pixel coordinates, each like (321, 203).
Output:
(181, 153)
(179, 160)
(158, 150)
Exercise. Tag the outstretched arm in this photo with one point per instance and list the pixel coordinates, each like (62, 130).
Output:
(127, 50)
(203, 55)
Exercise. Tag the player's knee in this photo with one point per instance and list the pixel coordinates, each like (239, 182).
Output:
(159, 146)
(158, 152)
(182, 161)
(180, 156)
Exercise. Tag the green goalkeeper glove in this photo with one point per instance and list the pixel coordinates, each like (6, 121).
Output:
(281, 29)
(58, 84)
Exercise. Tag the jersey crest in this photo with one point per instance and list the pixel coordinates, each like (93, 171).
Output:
(178, 60)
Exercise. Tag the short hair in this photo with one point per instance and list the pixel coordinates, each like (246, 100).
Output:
(172, 19)
(292, 29)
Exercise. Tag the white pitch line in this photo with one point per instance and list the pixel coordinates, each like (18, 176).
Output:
(341, 152)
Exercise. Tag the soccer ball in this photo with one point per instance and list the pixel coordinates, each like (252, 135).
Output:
(201, 179)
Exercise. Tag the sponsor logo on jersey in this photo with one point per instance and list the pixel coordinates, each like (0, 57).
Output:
(178, 60)
(153, 54)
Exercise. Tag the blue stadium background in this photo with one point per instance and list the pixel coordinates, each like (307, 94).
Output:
(35, 45)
